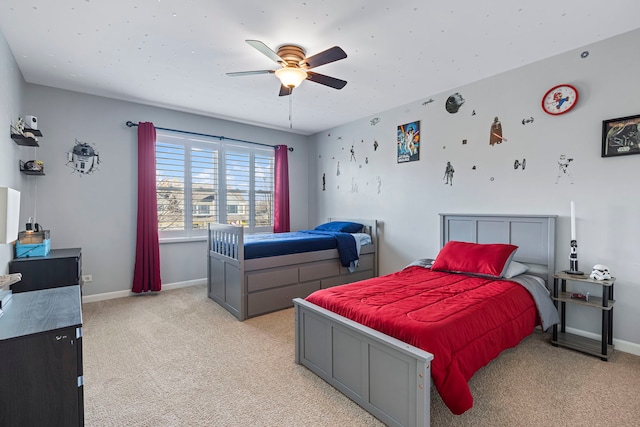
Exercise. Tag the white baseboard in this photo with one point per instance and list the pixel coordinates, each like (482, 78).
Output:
(122, 294)
(625, 346)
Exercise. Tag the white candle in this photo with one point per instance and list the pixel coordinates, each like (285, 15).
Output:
(573, 221)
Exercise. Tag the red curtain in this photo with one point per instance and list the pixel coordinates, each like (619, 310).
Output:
(281, 220)
(146, 273)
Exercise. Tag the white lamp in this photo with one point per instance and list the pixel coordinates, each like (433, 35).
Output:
(9, 214)
(573, 252)
(291, 77)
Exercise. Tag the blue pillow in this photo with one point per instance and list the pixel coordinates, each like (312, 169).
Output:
(342, 226)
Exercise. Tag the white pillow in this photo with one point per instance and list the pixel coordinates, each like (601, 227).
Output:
(363, 238)
(515, 269)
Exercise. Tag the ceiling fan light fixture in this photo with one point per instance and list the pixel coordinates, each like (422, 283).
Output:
(291, 77)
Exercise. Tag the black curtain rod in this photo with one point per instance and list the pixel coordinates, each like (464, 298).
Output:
(132, 124)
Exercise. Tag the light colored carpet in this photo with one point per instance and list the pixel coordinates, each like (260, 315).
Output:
(179, 359)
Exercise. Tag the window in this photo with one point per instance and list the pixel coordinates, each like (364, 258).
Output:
(200, 181)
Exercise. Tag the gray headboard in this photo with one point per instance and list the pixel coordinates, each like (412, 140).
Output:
(533, 234)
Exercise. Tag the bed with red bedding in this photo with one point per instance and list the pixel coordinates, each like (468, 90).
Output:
(379, 340)
(464, 321)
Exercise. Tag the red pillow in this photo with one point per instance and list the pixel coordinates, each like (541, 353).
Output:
(464, 257)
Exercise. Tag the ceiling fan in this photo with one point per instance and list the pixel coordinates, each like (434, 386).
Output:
(295, 66)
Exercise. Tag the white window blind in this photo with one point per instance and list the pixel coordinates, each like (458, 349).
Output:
(264, 185)
(170, 186)
(204, 187)
(227, 183)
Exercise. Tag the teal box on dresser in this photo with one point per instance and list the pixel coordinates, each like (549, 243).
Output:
(33, 249)
(33, 243)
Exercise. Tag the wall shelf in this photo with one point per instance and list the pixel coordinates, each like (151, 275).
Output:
(29, 171)
(20, 139)
(24, 140)
(37, 173)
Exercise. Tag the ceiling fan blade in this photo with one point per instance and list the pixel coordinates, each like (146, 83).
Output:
(330, 55)
(266, 50)
(285, 91)
(326, 80)
(248, 73)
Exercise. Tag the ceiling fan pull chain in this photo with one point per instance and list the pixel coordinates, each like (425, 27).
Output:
(290, 107)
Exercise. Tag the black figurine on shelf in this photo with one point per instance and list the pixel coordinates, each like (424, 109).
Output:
(573, 260)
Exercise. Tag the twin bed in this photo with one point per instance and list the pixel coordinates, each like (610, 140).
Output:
(251, 275)
(383, 342)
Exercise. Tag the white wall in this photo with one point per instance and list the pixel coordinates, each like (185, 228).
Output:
(11, 89)
(413, 194)
(97, 212)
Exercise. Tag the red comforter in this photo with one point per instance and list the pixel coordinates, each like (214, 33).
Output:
(464, 321)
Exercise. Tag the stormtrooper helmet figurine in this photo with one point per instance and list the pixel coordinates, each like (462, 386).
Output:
(600, 272)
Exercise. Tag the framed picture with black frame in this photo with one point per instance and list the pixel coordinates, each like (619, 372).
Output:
(621, 137)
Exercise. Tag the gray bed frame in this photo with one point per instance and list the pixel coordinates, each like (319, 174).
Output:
(248, 288)
(389, 378)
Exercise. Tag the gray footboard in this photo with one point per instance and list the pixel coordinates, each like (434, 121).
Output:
(387, 377)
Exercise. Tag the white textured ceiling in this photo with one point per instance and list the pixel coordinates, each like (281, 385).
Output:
(175, 53)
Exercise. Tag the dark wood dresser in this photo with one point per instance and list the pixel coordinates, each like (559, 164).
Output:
(41, 380)
(60, 267)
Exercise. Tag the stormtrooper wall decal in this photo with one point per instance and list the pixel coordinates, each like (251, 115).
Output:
(448, 174)
(563, 168)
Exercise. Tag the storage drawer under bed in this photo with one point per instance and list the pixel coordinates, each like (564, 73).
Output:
(277, 299)
(274, 289)
(283, 276)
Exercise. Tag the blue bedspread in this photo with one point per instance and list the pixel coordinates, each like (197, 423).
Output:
(345, 242)
(273, 244)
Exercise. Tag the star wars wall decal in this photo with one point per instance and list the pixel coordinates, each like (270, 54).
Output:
(83, 158)
(408, 142)
(563, 168)
(517, 164)
(351, 171)
(428, 101)
(495, 136)
(448, 174)
(375, 121)
(529, 120)
(354, 185)
(453, 103)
